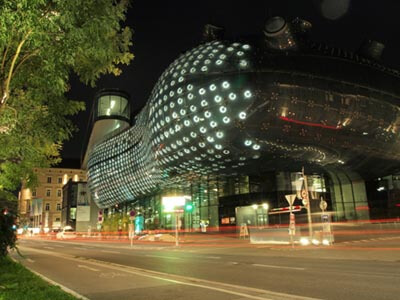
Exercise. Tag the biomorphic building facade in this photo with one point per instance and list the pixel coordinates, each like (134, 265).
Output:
(231, 123)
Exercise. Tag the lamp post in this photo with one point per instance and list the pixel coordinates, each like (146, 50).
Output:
(308, 204)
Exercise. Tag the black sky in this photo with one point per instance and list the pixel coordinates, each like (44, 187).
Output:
(164, 29)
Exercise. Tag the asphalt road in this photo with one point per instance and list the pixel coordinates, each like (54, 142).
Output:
(367, 270)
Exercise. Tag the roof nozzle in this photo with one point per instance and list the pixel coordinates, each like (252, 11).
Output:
(372, 50)
(212, 32)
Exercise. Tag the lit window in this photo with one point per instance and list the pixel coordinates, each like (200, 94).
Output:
(217, 98)
(232, 96)
(247, 94)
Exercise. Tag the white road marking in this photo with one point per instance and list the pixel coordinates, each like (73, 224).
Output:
(80, 248)
(160, 256)
(234, 263)
(51, 248)
(278, 267)
(89, 268)
(30, 260)
(64, 288)
(109, 251)
(245, 292)
(112, 275)
(213, 257)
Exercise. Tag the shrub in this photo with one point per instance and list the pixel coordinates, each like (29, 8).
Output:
(8, 235)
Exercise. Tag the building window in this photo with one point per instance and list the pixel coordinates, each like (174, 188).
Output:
(47, 208)
(34, 193)
(48, 193)
(59, 180)
(48, 179)
(58, 193)
(58, 219)
(58, 206)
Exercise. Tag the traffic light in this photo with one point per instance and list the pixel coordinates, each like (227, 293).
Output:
(189, 207)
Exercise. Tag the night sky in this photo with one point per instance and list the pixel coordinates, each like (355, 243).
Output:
(165, 29)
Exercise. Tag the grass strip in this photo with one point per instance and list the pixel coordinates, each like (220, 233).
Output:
(18, 283)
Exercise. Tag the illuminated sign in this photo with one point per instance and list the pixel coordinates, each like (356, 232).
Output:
(173, 204)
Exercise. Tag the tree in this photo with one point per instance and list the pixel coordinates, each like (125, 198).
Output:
(42, 42)
(8, 237)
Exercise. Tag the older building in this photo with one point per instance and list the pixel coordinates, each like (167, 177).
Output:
(41, 207)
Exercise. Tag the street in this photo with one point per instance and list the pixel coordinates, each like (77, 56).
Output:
(105, 270)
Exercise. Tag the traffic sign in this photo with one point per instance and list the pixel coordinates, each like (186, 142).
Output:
(100, 216)
(304, 194)
(323, 205)
(290, 198)
(132, 215)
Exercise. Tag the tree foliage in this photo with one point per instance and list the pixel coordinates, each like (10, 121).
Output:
(8, 236)
(42, 42)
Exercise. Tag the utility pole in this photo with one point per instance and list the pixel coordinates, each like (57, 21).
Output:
(308, 206)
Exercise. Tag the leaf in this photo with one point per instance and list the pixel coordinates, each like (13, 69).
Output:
(41, 44)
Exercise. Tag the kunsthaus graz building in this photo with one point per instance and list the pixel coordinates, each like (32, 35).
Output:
(231, 123)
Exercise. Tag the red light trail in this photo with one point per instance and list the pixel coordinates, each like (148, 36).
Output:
(310, 123)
